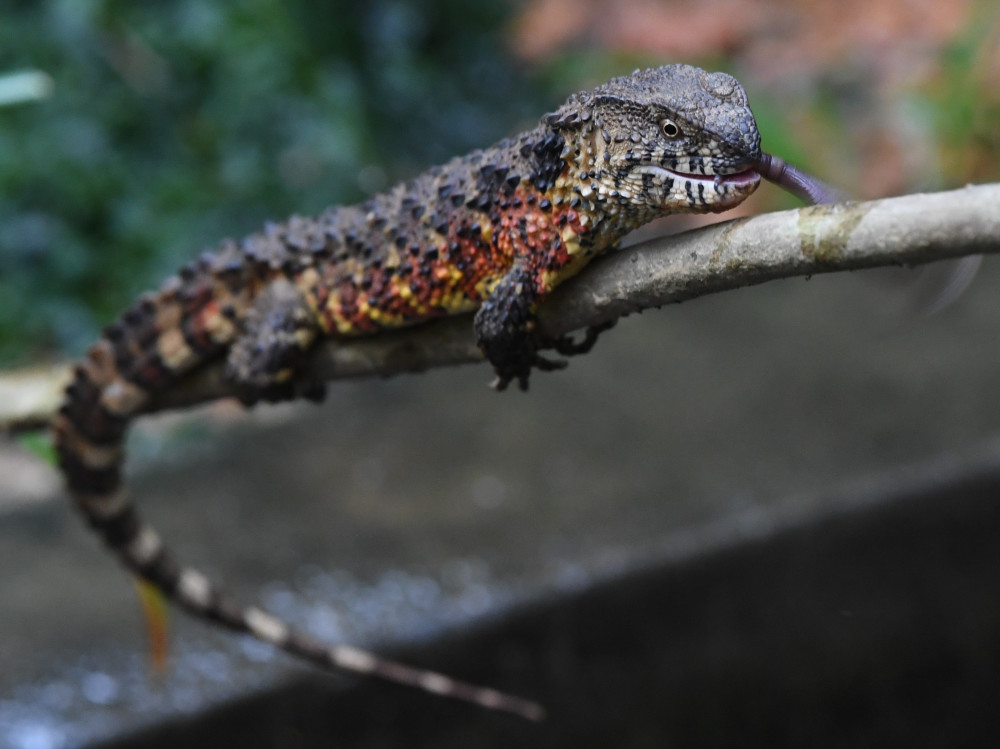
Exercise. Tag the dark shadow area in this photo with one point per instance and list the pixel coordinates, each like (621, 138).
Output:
(876, 627)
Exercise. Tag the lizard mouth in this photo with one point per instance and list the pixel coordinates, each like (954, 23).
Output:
(738, 180)
(726, 190)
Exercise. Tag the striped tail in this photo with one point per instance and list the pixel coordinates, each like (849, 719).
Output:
(150, 347)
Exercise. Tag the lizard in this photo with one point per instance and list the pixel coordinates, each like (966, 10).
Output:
(494, 231)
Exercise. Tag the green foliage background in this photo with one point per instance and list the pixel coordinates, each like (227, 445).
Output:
(175, 124)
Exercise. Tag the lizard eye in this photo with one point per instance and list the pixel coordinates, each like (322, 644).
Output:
(669, 128)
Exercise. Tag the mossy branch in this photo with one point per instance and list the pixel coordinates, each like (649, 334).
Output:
(907, 230)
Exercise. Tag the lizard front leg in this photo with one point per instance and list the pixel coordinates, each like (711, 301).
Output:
(506, 330)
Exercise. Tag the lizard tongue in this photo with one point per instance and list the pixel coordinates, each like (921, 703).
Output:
(798, 183)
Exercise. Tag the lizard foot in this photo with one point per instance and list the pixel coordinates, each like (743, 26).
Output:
(567, 346)
(505, 377)
(277, 333)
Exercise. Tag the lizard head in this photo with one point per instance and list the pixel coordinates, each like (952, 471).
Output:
(665, 140)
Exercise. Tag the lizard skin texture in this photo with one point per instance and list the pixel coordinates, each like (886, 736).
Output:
(493, 231)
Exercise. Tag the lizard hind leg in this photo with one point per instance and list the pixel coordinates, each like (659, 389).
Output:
(278, 331)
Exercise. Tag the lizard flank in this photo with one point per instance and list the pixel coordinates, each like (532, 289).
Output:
(494, 231)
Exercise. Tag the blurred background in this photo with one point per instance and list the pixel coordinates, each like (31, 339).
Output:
(765, 518)
(160, 128)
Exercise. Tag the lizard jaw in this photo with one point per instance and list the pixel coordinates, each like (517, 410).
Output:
(738, 180)
(728, 190)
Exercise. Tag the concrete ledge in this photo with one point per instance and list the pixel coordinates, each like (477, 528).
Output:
(879, 626)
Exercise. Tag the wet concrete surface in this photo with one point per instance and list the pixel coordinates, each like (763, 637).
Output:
(767, 514)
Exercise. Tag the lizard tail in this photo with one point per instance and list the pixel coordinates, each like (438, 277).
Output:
(153, 344)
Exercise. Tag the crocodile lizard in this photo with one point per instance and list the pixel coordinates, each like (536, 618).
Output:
(493, 231)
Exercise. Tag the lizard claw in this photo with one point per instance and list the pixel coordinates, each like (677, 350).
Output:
(548, 365)
(500, 383)
(566, 346)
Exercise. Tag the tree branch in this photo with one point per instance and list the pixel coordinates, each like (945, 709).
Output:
(908, 230)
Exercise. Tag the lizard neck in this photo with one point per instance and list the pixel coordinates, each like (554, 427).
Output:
(606, 201)
(568, 168)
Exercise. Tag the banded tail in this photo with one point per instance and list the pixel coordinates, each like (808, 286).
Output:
(189, 322)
